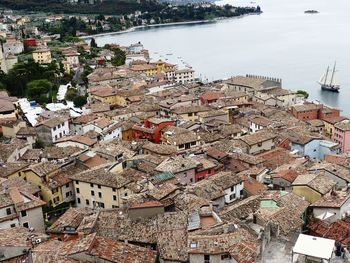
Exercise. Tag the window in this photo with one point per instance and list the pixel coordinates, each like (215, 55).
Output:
(102, 205)
(54, 128)
(99, 186)
(99, 194)
(115, 206)
(114, 198)
(232, 188)
(92, 185)
(78, 191)
(113, 189)
(259, 144)
(206, 258)
(126, 194)
(76, 182)
(225, 256)
(87, 202)
(67, 185)
(78, 200)
(23, 213)
(26, 224)
(92, 193)
(233, 196)
(8, 211)
(67, 194)
(193, 244)
(13, 225)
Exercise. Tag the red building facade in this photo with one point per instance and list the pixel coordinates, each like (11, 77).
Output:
(151, 129)
(202, 174)
(30, 42)
(310, 111)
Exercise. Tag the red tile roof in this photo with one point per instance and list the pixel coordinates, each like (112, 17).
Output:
(338, 231)
(148, 204)
(211, 96)
(289, 175)
(215, 153)
(252, 186)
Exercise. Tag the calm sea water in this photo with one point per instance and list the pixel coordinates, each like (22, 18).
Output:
(282, 42)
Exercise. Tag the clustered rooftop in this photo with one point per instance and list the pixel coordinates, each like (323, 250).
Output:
(158, 165)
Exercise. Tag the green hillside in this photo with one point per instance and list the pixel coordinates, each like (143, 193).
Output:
(112, 7)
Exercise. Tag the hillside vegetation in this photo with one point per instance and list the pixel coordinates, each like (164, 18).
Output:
(108, 7)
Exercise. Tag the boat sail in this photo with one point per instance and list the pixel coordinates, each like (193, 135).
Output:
(329, 80)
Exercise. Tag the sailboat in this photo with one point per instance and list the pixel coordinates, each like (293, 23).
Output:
(329, 81)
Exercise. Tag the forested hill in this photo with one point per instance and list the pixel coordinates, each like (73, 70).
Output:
(108, 7)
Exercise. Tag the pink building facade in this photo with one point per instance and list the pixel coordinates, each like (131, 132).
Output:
(342, 135)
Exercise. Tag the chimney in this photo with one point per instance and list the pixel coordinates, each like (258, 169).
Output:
(211, 205)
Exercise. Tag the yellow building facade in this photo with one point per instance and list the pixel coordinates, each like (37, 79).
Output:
(50, 194)
(95, 195)
(150, 69)
(328, 128)
(42, 56)
(111, 99)
(305, 191)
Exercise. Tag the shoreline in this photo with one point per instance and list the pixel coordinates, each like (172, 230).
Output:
(132, 29)
(135, 28)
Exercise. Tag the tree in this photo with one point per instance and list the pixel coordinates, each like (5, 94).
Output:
(99, 27)
(71, 94)
(119, 57)
(86, 72)
(39, 90)
(100, 17)
(304, 93)
(38, 144)
(2, 80)
(93, 43)
(71, 39)
(17, 78)
(79, 101)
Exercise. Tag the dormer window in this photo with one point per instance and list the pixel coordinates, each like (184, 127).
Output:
(194, 244)
(69, 229)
